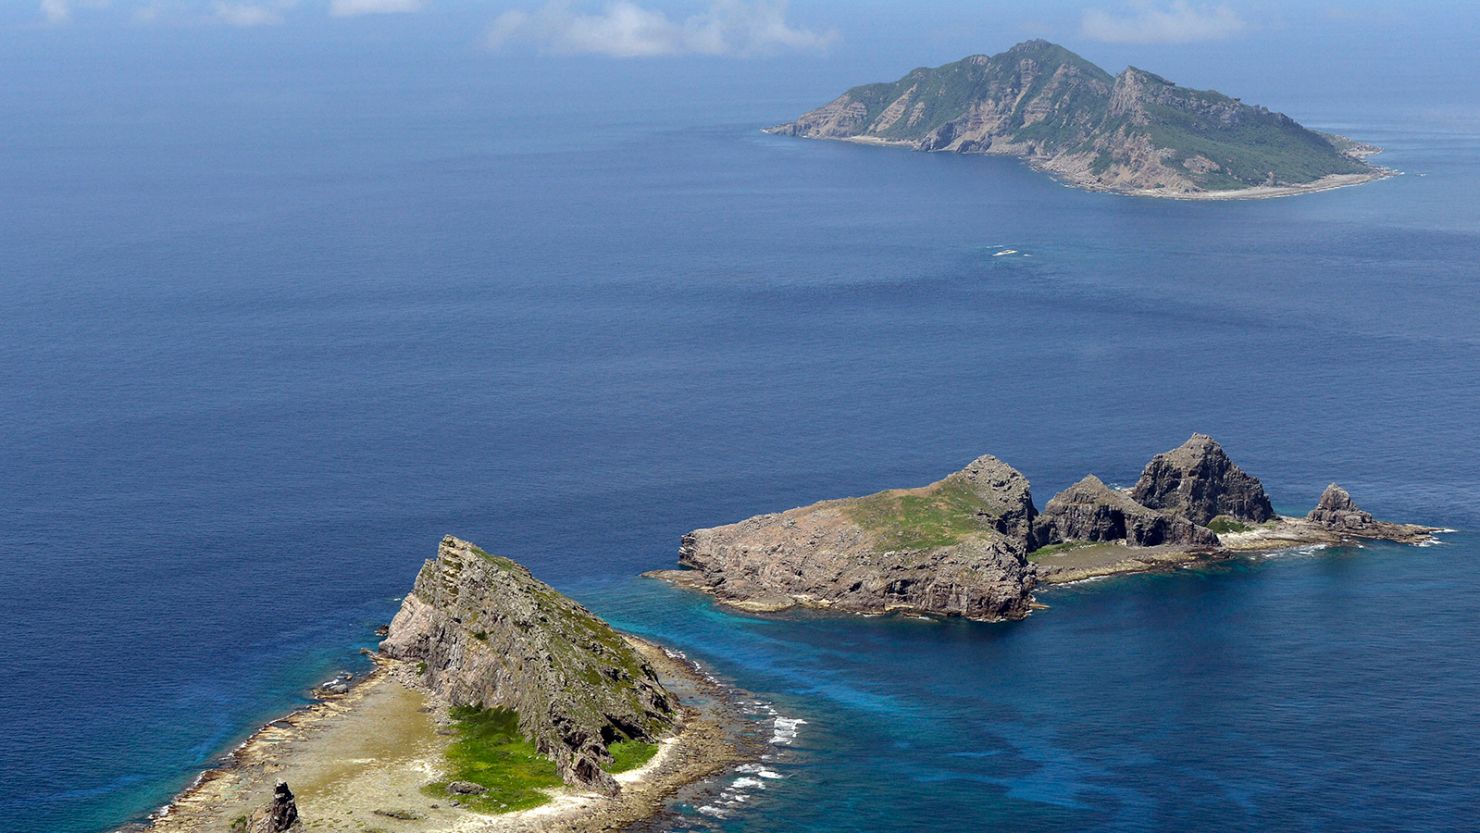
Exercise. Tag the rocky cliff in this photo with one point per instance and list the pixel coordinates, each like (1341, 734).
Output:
(486, 633)
(1091, 511)
(1198, 481)
(955, 547)
(1337, 512)
(1129, 132)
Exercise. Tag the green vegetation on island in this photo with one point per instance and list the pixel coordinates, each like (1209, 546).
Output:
(491, 752)
(937, 516)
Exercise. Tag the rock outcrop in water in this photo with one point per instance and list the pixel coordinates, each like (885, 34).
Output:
(491, 635)
(1337, 512)
(1091, 511)
(961, 546)
(1197, 481)
(955, 547)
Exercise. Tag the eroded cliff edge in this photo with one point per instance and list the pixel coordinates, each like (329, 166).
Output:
(486, 633)
(974, 545)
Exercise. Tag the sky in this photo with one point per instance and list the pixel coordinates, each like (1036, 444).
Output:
(1288, 55)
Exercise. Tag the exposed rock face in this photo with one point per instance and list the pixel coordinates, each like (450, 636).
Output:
(1338, 513)
(1199, 482)
(491, 635)
(1337, 510)
(279, 816)
(1006, 497)
(1132, 132)
(1091, 511)
(956, 547)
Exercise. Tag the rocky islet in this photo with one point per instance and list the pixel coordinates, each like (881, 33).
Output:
(973, 544)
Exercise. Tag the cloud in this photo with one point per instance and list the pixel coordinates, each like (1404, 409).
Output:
(1177, 22)
(624, 29)
(351, 8)
(252, 14)
(60, 11)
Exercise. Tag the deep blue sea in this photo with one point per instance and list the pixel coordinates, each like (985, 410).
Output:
(260, 350)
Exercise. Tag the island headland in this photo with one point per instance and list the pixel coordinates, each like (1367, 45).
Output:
(496, 704)
(1133, 133)
(974, 545)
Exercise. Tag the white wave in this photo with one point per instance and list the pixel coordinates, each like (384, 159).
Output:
(785, 730)
(760, 771)
(1005, 252)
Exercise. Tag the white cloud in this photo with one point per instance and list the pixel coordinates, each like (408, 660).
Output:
(350, 8)
(60, 11)
(624, 29)
(1176, 22)
(252, 14)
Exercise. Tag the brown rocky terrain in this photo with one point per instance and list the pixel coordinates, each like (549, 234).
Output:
(1091, 511)
(974, 545)
(957, 546)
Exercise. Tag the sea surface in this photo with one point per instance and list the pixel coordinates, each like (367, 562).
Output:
(259, 351)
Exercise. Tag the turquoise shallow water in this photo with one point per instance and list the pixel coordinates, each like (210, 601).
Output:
(259, 355)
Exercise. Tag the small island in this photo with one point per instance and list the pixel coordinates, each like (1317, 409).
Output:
(1134, 133)
(974, 545)
(497, 703)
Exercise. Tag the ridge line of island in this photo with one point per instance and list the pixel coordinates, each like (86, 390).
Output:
(1134, 133)
(499, 704)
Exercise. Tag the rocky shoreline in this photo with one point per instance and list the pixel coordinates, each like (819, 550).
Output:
(1071, 176)
(974, 545)
(317, 744)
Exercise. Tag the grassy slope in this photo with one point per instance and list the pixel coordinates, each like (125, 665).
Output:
(944, 514)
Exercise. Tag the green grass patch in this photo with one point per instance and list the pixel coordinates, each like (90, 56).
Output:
(939, 518)
(628, 755)
(490, 751)
(1224, 524)
(1058, 549)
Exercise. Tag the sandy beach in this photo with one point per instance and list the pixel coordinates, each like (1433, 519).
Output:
(358, 762)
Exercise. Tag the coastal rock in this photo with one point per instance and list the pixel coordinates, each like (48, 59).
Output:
(488, 634)
(465, 788)
(955, 547)
(1199, 482)
(1338, 513)
(1337, 510)
(1091, 511)
(279, 815)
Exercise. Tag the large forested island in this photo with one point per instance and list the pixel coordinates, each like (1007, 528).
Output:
(1134, 133)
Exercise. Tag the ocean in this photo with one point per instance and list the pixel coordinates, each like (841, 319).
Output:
(260, 352)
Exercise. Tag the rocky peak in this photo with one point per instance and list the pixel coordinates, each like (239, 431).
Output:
(1199, 482)
(1091, 511)
(489, 634)
(280, 815)
(1005, 494)
(1336, 509)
